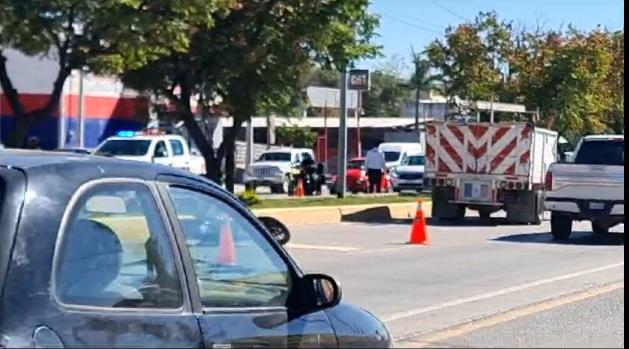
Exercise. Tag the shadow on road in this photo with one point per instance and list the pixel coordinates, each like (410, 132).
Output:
(581, 238)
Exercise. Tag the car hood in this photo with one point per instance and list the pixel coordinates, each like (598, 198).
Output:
(410, 169)
(132, 158)
(280, 164)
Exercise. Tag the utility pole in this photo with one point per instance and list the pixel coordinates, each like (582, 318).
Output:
(417, 110)
(491, 109)
(342, 145)
(81, 109)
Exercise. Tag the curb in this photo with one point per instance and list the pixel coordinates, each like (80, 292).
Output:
(317, 215)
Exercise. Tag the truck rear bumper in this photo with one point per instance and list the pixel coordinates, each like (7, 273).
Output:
(586, 209)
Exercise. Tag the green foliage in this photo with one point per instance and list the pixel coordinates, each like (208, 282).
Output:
(575, 78)
(388, 90)
(249, 197)
(296, 136)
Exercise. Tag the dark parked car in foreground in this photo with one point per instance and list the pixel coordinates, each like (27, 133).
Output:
(109, 253)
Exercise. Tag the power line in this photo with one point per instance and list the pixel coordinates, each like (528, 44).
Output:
(400, 20)
(449, 11)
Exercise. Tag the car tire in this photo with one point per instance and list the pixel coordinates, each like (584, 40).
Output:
(599, 228)
(560, 226)
(250, 186)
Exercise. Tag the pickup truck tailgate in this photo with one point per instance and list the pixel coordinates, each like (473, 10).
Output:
(574, 181)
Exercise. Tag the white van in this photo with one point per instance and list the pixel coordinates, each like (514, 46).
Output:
(396, 153)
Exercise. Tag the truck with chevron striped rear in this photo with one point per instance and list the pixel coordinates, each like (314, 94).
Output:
(488, 167)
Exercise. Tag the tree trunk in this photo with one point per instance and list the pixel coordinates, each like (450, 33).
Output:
(25, 120)
(229, 145)
(212, 160)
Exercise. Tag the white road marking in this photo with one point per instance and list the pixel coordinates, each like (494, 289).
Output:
(500, 292)
(493, 320)
(321, 247)
(405, 247)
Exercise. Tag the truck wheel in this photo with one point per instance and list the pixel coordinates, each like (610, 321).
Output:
(250, 186)
(599, 228)
(560, 227)
(539, 208)
(460, 211)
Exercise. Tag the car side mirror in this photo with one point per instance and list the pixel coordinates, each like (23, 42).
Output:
(327, 291)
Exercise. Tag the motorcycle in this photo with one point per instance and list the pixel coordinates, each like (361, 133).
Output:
(312, 178)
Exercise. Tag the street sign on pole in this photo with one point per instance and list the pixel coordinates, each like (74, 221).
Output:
(359, 80)
(342, 146)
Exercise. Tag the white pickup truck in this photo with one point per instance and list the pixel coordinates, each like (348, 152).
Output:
(152, 146)
(591, 186)
(275, 169)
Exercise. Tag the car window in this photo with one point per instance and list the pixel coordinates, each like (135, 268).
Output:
(235, 265)
(177, 147)
(124, 147)
(275, 157)
(356, 164)
(603, 152)
(390, 156)
(115, 252)
(160, 150)
(415, 160)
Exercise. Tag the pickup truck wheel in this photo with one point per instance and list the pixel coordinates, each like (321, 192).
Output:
(599, 228)
(560, 227)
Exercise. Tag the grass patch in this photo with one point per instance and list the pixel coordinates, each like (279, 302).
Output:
(333, 201)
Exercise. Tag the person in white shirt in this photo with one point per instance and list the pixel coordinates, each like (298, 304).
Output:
(375, 165)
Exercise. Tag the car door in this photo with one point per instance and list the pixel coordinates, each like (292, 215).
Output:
(116, 279)
(162, 155)
(180, 158)
(243, 277)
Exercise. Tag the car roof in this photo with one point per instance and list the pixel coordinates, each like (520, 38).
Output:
(145, 137)
(82, 166)
(287, 150)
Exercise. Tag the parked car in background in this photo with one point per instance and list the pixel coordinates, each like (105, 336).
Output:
(276, 168)
(590, 187)
(396, 153)
(357, 179)
(154, 146)
(134, 254)
(410, 174)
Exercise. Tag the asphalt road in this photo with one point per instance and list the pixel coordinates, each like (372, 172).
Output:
(471, 272)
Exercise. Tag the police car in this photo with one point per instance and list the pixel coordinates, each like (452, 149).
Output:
(154, 146)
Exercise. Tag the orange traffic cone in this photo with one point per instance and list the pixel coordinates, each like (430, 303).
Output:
(299, 191)
(419, 232)
(226, 247)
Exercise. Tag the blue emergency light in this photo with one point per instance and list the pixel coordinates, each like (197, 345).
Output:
(126, 133)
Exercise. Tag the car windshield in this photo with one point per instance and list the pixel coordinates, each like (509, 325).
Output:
(356, 164)
(602, 152)
(390, 156)
(415, 160)
(124, 147)
(275, 157)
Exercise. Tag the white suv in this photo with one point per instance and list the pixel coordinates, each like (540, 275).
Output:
(275, 168)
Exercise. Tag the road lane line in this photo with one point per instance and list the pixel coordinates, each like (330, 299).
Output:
(492, 320)
(321, 247)
(500, 292)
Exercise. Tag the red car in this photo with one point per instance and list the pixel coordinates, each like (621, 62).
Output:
(357, 180)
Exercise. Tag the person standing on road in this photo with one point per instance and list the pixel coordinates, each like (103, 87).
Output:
(376, 165)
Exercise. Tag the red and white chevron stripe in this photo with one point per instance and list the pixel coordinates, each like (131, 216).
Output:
(479, 148)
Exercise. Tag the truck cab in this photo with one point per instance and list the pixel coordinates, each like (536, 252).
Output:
(150, 146)
(274, 168)
(588, 187)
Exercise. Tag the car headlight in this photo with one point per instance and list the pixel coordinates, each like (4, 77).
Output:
(394, 174)
(276, 171)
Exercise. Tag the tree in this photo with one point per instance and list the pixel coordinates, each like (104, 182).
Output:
(102, 36)
(387, 93)
(473, 57)
(253, 58)
(422, 80)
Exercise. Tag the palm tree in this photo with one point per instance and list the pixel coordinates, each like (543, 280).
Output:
(422, 79)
